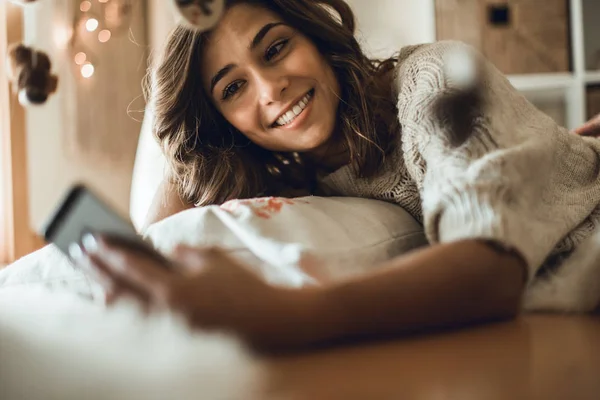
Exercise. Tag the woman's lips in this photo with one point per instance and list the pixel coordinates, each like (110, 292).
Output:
(300, 118)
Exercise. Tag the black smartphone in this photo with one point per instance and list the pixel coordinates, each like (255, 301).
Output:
(82, 211)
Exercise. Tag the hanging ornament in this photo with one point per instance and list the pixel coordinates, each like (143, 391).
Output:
(29, 72)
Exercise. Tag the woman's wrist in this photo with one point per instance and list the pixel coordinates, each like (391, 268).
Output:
(298, 317)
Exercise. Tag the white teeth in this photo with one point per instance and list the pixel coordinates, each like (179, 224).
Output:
(294, 112)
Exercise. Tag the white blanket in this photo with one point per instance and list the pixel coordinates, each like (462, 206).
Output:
(57, 344)
(54, 346)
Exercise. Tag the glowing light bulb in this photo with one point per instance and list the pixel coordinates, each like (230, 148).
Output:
(62, 35)
(91, 24)
(85, 6)
(87, 70)
(80, 58)
(104, 35)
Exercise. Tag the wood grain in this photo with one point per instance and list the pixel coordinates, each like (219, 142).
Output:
(536, 39)
(535, 357)
(459, 20)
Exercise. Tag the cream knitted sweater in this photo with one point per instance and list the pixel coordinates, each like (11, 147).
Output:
(518, 179)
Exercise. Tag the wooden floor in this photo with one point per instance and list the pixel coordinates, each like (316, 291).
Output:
(533, 357)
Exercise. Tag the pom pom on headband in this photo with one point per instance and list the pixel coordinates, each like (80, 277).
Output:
(201, 15)
(23, 2)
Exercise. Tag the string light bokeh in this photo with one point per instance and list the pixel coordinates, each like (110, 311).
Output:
(97, 21)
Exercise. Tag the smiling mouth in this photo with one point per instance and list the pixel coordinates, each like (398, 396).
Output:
(297, 109)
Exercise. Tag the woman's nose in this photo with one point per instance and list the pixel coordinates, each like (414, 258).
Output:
(271, 87)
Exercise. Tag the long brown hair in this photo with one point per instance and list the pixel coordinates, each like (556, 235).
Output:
(212, 162)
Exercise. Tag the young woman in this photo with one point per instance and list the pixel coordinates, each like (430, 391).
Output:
(279, 97)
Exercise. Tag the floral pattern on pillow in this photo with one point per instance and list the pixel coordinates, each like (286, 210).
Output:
(263, 207)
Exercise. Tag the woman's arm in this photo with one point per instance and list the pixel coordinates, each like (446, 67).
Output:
(166, 202)
(441, 286)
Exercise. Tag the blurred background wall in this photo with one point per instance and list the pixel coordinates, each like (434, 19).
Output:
(88, 130)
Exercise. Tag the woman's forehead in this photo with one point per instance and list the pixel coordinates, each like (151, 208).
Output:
(233, 36)
(240, 23)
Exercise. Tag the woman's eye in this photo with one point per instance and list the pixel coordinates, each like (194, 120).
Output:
(231, 89)
(274, 50)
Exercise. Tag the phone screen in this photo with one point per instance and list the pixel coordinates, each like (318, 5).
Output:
(82, 211)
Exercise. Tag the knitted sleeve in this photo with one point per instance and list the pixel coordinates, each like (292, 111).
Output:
(491, 166)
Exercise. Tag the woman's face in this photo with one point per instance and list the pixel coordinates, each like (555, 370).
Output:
(270, 81)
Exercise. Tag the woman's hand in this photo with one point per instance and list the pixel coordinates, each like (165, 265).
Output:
(590, 128)
(208, 287)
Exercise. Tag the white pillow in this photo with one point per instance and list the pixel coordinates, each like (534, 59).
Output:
(148, 172)
(282, 237)
(275, 235)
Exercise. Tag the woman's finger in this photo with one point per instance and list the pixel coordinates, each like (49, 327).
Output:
(95, 272)
(120, 293)
(117, 288)
(132, 267)
(590, 128)
(189, 259)
(314, 268)
(113, 295)
(113, 288)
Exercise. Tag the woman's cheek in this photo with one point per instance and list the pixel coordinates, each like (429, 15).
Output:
(240, 114)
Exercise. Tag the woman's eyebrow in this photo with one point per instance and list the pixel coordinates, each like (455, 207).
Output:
(262, 33)
(219, 75)
(255, 42)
